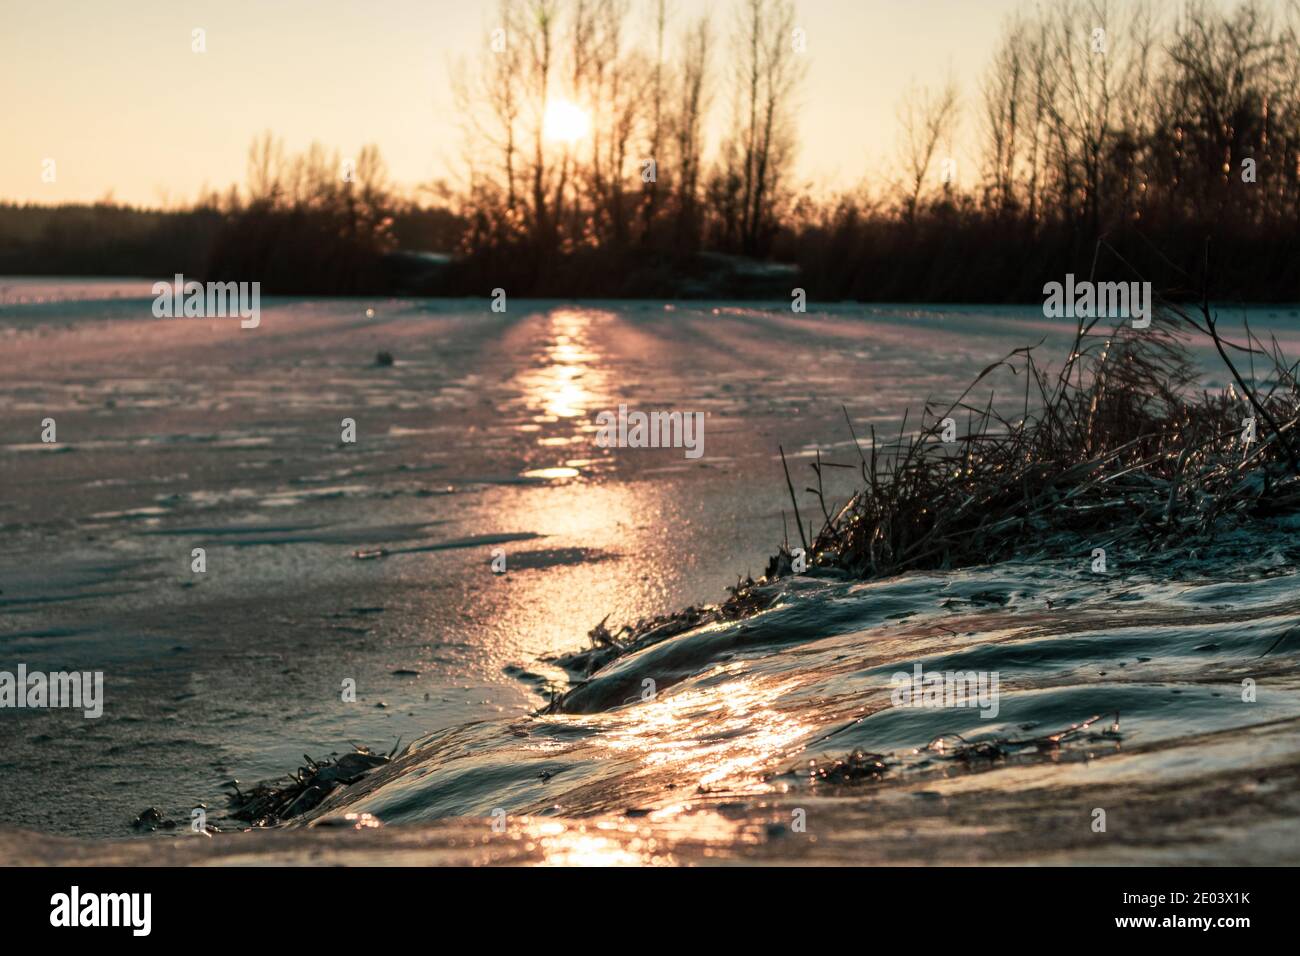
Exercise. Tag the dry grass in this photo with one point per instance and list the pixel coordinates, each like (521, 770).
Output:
(273, 801)
(1116, 447)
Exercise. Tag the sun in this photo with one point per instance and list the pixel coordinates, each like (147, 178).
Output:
(565, 122)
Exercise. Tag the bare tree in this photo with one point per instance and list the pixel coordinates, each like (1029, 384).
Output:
(489, 102)
(687, 129)
(1004, 92)
(654, 144)
(536, 29)
(758, 154)
(926, 119)
(265, 169)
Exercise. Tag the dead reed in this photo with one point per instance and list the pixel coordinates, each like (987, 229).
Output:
(273, 801)
(1118, 446)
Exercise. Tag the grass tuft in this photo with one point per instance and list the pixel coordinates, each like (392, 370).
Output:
(1117, 447)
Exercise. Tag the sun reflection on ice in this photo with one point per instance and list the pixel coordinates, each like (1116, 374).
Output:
(720, 735)
(623, 843)
(564, 379)
(580, 848)
(559, 387)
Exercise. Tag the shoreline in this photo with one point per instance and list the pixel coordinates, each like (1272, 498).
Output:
(980, 819)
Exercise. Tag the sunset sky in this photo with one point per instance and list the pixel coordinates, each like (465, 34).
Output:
(113, 93)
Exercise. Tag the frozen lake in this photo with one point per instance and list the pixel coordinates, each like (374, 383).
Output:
(176, 434)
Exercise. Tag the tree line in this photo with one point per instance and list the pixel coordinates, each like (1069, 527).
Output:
(1149, 126)
(1117, 136)
(1170, 134)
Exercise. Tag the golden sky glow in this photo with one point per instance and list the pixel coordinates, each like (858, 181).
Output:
(115, 94)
